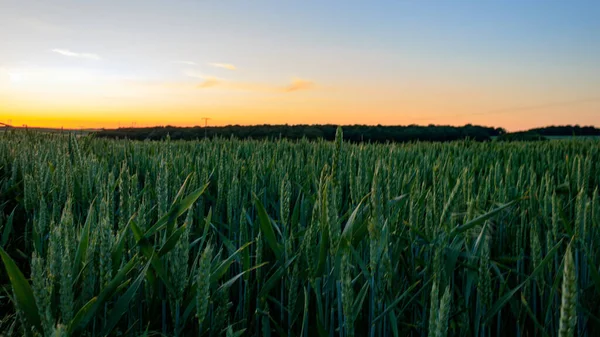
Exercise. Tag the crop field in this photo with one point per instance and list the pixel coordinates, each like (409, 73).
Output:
(225, 237)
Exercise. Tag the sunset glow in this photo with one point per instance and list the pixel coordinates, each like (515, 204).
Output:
(107, 64)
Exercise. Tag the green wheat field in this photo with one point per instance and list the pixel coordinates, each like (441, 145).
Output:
(225, 237)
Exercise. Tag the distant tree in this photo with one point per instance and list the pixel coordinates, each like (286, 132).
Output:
(352, 133)
(567, 130)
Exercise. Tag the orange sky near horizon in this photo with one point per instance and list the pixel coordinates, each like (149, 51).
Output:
(95, 118)
(145, 105)
(113, 64)
(78, 98)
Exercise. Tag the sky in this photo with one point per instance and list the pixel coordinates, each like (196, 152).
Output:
(515, 64)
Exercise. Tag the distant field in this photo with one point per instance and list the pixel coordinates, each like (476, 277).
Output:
(573, 137)
(565, 137)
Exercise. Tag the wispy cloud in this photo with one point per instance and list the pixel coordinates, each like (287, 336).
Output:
(209, 82)
(212, 82)
(194, 74)
(189, 63)
(223, 65)
(298, 84)
(66, 52)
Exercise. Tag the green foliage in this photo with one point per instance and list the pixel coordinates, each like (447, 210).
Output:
(298, 238)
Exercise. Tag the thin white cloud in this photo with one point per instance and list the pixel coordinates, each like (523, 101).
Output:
(194, 74)
(299, 84)
(223, 65)
(66, 52)
(189, 63)
(209, 82)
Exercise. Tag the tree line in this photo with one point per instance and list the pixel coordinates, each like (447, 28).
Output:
(352, 133)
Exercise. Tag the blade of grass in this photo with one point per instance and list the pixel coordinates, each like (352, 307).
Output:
(23, 294)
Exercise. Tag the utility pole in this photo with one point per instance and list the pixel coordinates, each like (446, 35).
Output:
(206, 119)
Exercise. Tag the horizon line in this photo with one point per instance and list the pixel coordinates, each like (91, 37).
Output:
(27, 126)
